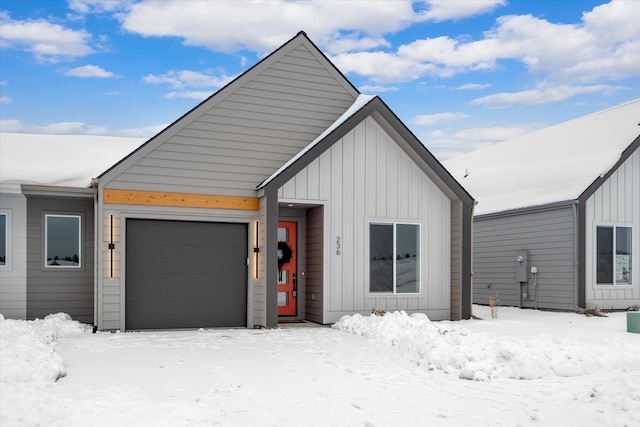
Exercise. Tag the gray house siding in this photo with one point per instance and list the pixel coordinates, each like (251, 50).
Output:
(13, 275)
(547, 236)
(50, 290)
(243, 134)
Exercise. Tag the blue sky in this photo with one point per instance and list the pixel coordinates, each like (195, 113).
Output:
(461, 74)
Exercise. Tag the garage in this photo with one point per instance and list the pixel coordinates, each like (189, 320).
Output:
(185, 274)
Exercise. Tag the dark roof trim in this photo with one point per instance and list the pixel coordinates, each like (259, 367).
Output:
(54, 191)
(225, 88)
(527, 210)
(376, 105)
(597, 183)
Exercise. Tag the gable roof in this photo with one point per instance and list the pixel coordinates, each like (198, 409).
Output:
(334, 85)
(552, 165)
(362, 108)
(59, 160)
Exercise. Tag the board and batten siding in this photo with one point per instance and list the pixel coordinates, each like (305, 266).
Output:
(616, 202)
(13, 275)
(548, 236)
(247, 134)
(363, 177)
(50, 290)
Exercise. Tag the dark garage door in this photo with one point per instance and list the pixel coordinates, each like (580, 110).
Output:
(183, 274)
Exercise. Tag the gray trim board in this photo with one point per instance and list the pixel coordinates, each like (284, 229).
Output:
(467, 261)
(51, 191)
(271, 230)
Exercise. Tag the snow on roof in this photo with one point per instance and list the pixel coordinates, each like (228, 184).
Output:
(551, 165)
(357, 105)
(59, 160)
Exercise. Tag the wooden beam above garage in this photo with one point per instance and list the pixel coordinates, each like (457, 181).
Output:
(182, 200)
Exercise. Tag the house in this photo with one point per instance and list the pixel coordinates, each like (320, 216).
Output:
(286, 195)
(557, 224)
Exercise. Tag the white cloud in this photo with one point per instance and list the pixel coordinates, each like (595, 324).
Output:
(442, 10)
(434, 119)
(473, 86)
(89, 71)
(97, 6)
(382, 67)
(189, 94)
(377, 89)
(542, 95)
(266, 25)
(49, 43)
(5, 100)
(188, 79)
(604, 45)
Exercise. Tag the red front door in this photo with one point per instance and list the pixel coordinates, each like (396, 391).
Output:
(287, 280)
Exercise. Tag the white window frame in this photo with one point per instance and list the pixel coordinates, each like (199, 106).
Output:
(394, 292)
(613, 226)
(46, 242)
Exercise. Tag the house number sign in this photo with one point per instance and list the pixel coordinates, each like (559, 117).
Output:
(338, 245)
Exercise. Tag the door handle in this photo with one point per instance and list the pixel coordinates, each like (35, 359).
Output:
(295, 282)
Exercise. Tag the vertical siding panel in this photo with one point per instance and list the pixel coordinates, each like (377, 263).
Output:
(289, 190)
(381, 173)
(359, 216)
(325, 174)
(606, 201)
(414, 192)
(301, 185)
(337, 185)
(404, 170)
(348, 203)
(371, 175)
(392, 175)
(612, 205)
(434, 254)
(313, 180)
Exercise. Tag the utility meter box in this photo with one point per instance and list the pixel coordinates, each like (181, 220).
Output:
(522, 267)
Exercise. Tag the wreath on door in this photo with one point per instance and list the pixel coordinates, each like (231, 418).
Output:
(284, 254)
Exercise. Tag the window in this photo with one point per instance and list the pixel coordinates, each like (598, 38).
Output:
(62, 241)
(3, 239)
(394, 258)
(613, 255)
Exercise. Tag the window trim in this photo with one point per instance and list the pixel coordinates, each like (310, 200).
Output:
(394, 223)
(80, 217)
(613, 226)
(6, 213)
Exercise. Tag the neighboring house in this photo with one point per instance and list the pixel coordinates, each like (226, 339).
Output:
(286, 195)
(557, 224)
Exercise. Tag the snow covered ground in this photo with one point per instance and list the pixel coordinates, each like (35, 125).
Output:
(524, 368)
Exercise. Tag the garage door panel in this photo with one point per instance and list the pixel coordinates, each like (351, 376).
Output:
(185, 274)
